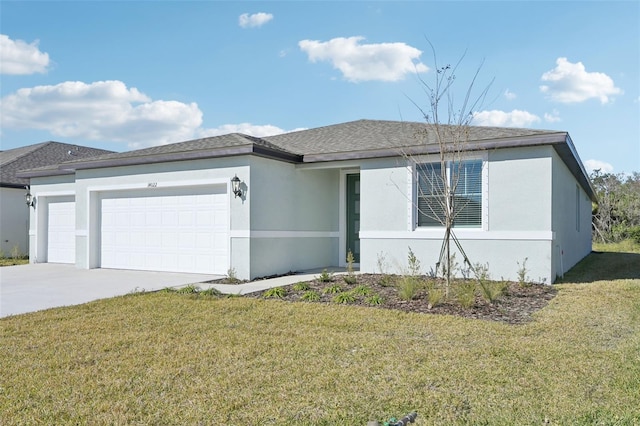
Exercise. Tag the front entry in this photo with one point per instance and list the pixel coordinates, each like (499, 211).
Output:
(353, 216)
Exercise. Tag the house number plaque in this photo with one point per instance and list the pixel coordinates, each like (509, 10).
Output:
(152, 185)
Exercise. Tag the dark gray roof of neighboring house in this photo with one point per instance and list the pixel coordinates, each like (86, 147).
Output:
(49, 154)
(211, 147)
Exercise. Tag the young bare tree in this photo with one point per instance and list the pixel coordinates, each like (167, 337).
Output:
(448, 190)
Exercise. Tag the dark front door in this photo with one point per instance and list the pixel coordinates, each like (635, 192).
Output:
(353, 216)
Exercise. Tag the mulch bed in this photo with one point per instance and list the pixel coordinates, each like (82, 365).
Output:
(514, 307)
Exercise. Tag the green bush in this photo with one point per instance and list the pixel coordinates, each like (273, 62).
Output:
(275, 292)
(346, 297)
(362, 290)
(311, 296)
(333, 289)
(408, 287)
(465, 293)
(325, 276)
(301, 286)
(435, 296)
(375, 299)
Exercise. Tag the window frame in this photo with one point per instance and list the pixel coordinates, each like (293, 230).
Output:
(414, 213)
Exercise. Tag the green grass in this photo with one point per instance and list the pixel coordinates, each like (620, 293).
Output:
(168, 358)
(8, 261)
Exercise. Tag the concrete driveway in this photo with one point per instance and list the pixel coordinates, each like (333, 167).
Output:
(30, 288)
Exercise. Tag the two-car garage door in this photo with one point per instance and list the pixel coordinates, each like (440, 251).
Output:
(175, 230)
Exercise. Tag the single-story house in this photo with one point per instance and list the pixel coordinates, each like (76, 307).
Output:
(14, 214)
(306, 198)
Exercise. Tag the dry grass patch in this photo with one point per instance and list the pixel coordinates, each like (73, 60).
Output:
(166, 358)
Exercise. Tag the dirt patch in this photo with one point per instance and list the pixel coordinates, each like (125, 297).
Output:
(515, 306)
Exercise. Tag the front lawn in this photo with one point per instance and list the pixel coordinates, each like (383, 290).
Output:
(168, 358)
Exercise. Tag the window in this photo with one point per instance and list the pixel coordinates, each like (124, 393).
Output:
(464, 179)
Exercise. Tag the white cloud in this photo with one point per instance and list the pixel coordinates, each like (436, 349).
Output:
(103, 110)
(255, 20)
(365, 62)
(509, 95)
(592, 165)
(19, 57)
(552, 117)
(515, 118)
(571, 83)
(246, 128)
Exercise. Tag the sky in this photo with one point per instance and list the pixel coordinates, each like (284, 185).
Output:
(132, 74)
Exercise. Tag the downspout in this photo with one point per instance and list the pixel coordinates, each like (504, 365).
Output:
(561, 255)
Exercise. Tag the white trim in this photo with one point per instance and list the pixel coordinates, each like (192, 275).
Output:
(65, 193)
(160, 184)
(40, 217)
(462, 234)
(413, 179)
(82, 233)
(284, 234)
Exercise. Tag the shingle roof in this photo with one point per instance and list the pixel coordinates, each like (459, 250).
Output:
(359, 139)
(372, 135)
(49, 154)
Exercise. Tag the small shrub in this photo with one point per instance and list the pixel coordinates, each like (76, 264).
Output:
(492, 290)
(275, 292)
(189, 289)
(383, 267)
(408, 287)
(212, 292)
(386, 280)
(232, 278)
(301, 286)
(350, 260)
(311, 296)
(333, 289)
(414, 264)
(434, 297)
(361, 290)
(325, 276)
(349, 279)
(16, 253)
(375, 299)
(466, 293)
(523, 278)
(346, 297)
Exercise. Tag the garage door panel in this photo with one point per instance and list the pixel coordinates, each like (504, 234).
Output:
(178, 230)
(61, 233)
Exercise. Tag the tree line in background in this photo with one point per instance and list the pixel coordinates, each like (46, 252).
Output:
(616, 217)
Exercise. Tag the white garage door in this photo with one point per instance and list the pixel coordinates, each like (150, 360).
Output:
(175, 230)
(61, 232)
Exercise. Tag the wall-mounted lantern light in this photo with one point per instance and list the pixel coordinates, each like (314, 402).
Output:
(29, 199)
(235, 186)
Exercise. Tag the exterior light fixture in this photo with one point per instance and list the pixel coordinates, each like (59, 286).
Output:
(29, 199)
(235, 186)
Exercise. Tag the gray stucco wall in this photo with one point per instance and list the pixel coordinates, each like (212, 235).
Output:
(294, 217)
(517, 224)
(571, 219)
(14, 221)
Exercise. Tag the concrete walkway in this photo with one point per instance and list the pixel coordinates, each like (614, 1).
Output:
(30, 288)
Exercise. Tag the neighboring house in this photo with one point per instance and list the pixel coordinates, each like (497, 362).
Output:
(308, 197)
(14, 213)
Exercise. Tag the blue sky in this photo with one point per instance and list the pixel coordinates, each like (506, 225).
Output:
(125, 75)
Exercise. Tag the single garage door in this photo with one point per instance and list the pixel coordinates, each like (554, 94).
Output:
(176, 230)
(61, 231)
